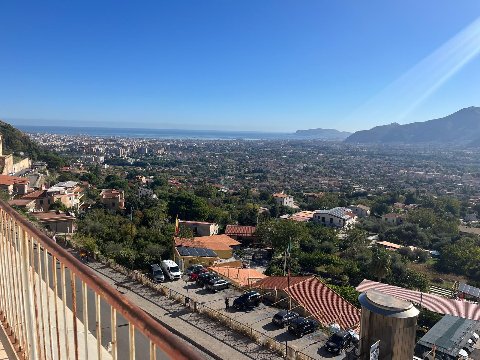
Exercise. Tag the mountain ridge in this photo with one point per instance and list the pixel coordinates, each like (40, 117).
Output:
(320, 133)
(461, 127)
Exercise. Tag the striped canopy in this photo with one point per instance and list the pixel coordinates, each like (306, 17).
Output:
(438, 304)
(324, 304)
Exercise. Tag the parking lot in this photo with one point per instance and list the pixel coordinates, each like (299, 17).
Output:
(258, 318)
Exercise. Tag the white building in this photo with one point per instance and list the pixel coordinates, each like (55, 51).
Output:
(360, 210)
(337, 217)
(284, 199)
(142, 191)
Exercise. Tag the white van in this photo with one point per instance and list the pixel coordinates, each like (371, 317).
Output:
(171, 270)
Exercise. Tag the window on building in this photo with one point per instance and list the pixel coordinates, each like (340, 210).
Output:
(331, 220)
(323, 218)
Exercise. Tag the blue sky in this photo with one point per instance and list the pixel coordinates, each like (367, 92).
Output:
(267, 65)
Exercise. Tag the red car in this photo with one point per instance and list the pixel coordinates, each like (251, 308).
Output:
(194, 274)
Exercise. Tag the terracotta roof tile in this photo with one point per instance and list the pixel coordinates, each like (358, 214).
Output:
(242, 277)
(11, 180)
(240, 230)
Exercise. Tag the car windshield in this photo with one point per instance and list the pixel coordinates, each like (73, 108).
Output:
(336, 338)
(157, 272)
(174, 269)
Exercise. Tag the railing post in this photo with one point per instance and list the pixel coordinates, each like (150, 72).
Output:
(113, 320)
(85, 317)
(98, 321)
(47, 284)
(31, 283)
(64, 306)
(28, 298)
(131, 338)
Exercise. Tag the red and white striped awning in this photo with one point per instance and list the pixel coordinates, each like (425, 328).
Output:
(438, 304)
(324, 304)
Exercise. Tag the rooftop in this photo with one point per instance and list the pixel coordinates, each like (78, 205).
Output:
(281, 195)
(302, 216)
(66, 184)
(52, 216)
(340, 212)
(214, 242)
(21, 202)
(110, 193)
(450, 334)
(240, 230)
(195, 222)
(11, 180)
(240, 276)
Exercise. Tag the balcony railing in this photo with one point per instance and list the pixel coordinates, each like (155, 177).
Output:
(55, 307)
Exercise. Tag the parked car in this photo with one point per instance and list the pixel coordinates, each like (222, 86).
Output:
(202, 278)
(156, 273)
(248, 300)
(217, 284)
(193, 268)
(301, 326)
(284, 317)
(171, 270)
(338, 342)
(196, 272)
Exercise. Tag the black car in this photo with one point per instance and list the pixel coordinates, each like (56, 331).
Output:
(301, 326)
(338, 342)
(204, 277)
(193, 269)
(284, 317)
(216, 284)
(248, 300)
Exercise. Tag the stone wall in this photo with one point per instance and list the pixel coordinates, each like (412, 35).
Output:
(6, 163)
(22, 165)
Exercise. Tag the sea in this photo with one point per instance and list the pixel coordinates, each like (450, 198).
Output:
(157, 133)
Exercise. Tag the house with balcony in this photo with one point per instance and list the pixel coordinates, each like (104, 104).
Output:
(68, 193)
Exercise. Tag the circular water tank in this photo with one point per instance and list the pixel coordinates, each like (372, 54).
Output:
(392, 321)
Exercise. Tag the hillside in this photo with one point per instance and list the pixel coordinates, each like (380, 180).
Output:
(460, 128)
(323, 134)
(16, 142)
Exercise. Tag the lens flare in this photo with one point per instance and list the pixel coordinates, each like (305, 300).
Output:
(401, 97)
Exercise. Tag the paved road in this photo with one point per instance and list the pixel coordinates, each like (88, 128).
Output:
(223, 342)
(206, 328)
(259, 319)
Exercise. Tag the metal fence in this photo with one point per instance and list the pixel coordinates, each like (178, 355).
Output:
(54, 307)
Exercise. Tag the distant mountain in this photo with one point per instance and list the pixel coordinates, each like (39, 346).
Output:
(323, 134)
(460, 128)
